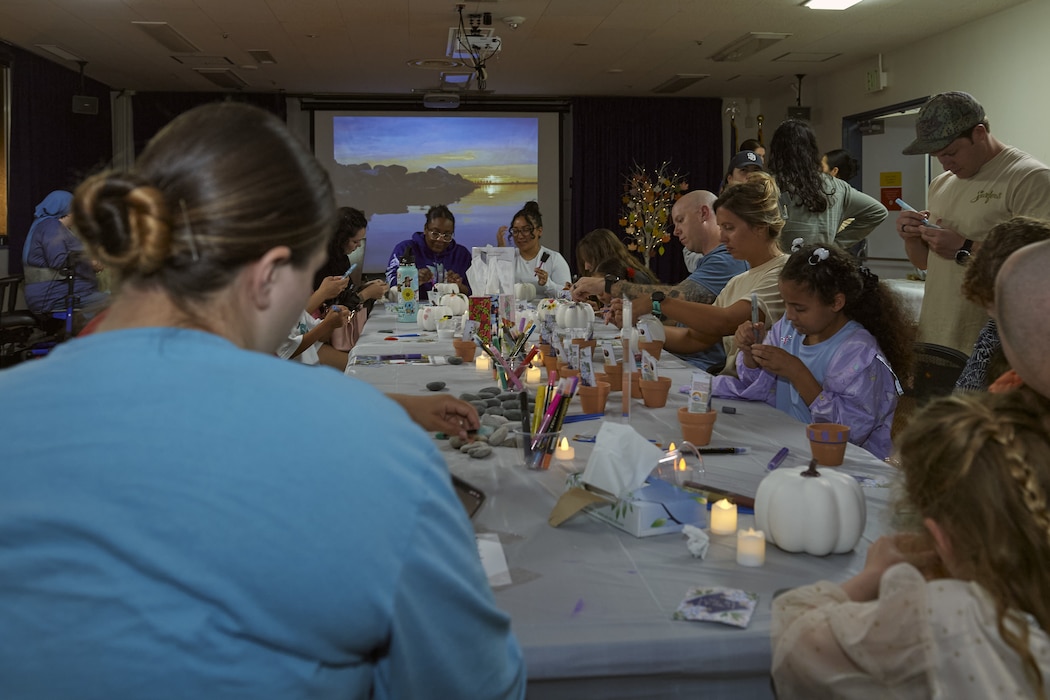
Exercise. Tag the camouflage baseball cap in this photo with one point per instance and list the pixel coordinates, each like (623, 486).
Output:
(942, 119)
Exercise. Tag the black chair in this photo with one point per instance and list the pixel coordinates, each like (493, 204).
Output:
(22, 333)
(935, 372)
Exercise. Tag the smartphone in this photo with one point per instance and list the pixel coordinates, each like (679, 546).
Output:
(470, 496)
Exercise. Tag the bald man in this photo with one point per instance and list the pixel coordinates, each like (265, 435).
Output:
(1022, 311)
(696, 227)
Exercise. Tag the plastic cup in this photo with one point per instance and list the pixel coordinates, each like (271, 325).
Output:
(828, 441)
(654, 393)
(696, 427)
(541, 458)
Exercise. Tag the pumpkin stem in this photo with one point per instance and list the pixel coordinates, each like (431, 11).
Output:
(812, 471)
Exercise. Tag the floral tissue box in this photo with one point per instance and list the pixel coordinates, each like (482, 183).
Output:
(730, 606)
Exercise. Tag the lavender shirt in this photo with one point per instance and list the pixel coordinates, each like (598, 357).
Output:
(859, 388)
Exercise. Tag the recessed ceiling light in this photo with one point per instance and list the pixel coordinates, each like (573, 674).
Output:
(830, 4)
(436, 63)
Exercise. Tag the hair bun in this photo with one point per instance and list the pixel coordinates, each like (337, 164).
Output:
(125, 221)
(532, 207)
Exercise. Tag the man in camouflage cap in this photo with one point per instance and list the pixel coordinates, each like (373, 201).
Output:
(986, 182)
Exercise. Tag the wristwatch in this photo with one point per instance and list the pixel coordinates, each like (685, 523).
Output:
(962, 256)
(656, 298)
(610, 280)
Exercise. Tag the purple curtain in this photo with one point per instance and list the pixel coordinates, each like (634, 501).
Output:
(611, 134)
(153, 110)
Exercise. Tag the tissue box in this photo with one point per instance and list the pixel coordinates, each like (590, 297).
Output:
(658, 508)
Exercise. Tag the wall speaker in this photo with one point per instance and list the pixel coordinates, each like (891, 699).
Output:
(82, 104)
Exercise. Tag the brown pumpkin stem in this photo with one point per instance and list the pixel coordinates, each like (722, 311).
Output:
(812, 471)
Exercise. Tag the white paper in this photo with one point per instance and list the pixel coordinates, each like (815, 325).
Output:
(492, 559)
(621, 459)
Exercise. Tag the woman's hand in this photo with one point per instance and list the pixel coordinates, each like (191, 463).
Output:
(454, 278)
(745, 336)
(445, 414)
(425, 275)
(335, 317)
(501, 236)
(615, 313)
(373, 290)
(587, 287)
(331, 286)
(541, 276)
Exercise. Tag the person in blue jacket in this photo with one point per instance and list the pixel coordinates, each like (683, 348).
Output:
(436, 254)
(183, 514)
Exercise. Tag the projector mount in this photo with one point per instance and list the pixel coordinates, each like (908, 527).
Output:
(477, 45)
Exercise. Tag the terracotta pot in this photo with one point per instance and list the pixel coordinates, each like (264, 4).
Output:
(697, 427)
(551, 364)
(592, 344)
(592, 398)
(614, 375)
(465, 349)
(636, 385)
(564, 371)
(654, 394)
(828, 442)
(653, 347)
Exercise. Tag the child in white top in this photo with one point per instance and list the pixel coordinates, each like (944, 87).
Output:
(961, 610)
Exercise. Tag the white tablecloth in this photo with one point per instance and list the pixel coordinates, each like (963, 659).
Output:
(591, 604)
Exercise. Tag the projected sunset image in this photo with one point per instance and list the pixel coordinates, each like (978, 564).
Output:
(396, 167)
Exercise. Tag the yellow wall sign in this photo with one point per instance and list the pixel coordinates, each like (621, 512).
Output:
(890, 179)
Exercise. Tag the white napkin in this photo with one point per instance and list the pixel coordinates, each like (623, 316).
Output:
(621, 459)
(698, 542)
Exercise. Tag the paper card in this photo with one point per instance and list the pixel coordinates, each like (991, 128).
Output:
(730, 606)
(572, 502)
(493, 560)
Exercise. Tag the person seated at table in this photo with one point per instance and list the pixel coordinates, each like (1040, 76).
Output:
(350, 231)
(310, 339)
(537, 264)
(960, 610)
(176, 538)
(51, 254)
(749, 220)
(602, 244)
(832, 358)
(978, 286)
(434, 245)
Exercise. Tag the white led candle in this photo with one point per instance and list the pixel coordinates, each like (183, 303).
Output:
(723, 518)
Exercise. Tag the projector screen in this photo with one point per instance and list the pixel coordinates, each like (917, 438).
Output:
(483, 166)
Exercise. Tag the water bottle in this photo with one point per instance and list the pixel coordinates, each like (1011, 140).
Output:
(408, 288)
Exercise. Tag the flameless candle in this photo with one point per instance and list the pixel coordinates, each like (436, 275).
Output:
(532, 375)
(723, 518)
(565, 450)
(483, 363)
(750, 547)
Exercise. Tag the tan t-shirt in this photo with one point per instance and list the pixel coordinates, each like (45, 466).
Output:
(763, 281)
(1012, 183)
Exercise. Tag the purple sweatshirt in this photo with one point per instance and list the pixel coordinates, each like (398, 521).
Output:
(456, 258)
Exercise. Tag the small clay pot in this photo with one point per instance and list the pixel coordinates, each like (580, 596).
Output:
(653, 347)
(564, 371)
(828, 441)
(654, 393)
(551, 364)
(614, 375)
(465, 349)
(592, 344)
(593, 398)
(697, 427)
(636, 385)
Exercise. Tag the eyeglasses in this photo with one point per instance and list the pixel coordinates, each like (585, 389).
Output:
(519, 232)
(439, 235)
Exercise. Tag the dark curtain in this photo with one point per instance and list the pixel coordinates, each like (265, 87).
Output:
(612, 134)
(51, 148)
(152, 110)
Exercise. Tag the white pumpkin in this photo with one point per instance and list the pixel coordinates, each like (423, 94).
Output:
(443, 288)
(524, 290)
(457, 302)
(653, 328)
(574, 315)
(545, 308)
(428, 316)
(819, 515)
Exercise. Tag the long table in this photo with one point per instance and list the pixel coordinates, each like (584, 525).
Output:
(590, 604)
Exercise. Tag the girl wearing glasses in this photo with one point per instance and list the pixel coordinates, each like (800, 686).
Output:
(537, 263)
(431, 247)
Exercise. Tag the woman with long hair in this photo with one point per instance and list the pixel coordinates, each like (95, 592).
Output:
(602, 244)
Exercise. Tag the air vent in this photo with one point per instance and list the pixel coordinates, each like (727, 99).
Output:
(223, 78)
(262, 56)
(802, 57)
(747, 45)
(165, 35)
(679, 82)
(220, 62)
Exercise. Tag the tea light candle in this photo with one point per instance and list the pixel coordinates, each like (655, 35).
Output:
(532, 375)
(483, 363)
(750, 547)
(565, 450)
(723, 518)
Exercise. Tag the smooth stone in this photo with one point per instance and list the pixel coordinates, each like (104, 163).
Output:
(494, 411)
(493, 420)
(456, 442)
(499, 436)
(486, 430)
(489, 391)
(480, 452)
(469, 397)
(512, 414)
(479, 405)
(508, 395)
(454, 360)
(493, 402)
(511, 404)
(436, 386)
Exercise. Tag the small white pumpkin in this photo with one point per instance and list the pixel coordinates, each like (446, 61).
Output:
(525, 291)
(823, 513)
(654, 330)
(457, 302)
(545, 308)
(428, 316)
(446, 288)
(574, 315)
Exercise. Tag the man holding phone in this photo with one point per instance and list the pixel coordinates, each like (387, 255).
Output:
(986, 182)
